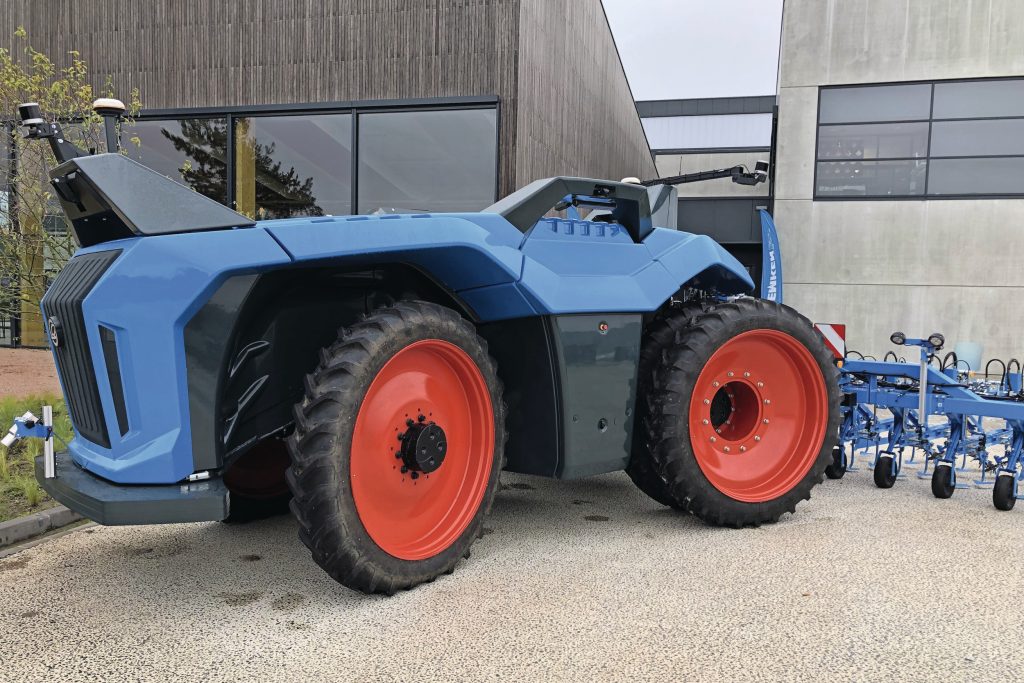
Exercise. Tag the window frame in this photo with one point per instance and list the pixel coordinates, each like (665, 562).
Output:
(353, 108)
(925, 195)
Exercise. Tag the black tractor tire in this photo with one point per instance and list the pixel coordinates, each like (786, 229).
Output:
(658, 338)
(836, 469)
(680, 373)
(1002, 493)
(883, 474)
(321, 476)
(257, 484)
(943, 484)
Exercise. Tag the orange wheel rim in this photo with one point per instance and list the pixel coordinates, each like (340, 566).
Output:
(429, 394)
(758, 415)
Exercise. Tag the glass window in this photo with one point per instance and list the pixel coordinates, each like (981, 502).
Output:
(293, 165)
(875, 103)
(427, 160)
(972, 144)
(873, 141)
(979, 99)
(977, 138)
(999, 176)
(871, 178)
(190, 151)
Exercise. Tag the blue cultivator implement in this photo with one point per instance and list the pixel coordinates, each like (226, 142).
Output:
(937, 411)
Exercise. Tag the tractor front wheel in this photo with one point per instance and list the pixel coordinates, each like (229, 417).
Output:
(743, 413)
(397, 448)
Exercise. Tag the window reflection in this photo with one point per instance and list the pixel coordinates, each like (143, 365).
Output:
(427, 160)
(192, 151)
(293, 165)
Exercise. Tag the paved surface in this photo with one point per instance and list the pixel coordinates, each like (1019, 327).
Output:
(27, 372)
(580, 581)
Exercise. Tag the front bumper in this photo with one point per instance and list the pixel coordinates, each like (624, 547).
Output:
(114, 504)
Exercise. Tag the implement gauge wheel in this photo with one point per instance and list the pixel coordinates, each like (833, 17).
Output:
(885, 472)
(1003, 494)
(397, 448)
(943, 481)
(836, 469)
(743, 413)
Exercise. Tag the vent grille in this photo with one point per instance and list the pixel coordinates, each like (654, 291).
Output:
(63, 304)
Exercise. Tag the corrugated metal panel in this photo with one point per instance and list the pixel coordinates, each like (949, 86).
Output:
(700, 132)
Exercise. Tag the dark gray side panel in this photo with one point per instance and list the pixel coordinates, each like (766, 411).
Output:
(206, 352)
(598, 367)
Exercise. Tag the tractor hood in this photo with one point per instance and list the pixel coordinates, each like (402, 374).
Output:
(109, 196)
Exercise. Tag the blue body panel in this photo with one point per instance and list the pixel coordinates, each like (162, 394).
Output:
(158, 283)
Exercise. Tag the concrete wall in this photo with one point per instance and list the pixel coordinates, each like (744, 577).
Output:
(920, 265)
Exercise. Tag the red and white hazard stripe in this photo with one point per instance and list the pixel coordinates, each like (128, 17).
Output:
(835, 337)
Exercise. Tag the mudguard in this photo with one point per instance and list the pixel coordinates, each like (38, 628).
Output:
(134, 317)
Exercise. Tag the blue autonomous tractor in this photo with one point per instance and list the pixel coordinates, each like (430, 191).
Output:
(376, 373)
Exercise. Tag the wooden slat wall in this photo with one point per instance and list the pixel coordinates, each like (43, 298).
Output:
(567, 56)
(190, 53)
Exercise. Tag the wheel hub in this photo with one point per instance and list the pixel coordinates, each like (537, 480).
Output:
(424, 446)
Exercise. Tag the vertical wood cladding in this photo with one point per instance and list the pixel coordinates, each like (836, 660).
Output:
(576, 114)
(196, 53)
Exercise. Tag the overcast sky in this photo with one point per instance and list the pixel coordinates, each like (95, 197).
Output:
(678, 49)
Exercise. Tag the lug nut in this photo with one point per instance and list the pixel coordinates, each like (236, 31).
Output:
(705, 421)
(415, 475)
(731, 373)
(409, 422)
(404, 469)
(760, 385)
(767, 401)
(726, 449)
(743, 449)
(765, 420)
(713, 439)
(714, 384)
(757, 438)
(707, 401)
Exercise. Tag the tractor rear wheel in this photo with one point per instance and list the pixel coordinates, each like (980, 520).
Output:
(659, 336)
(397, 448)
(743, 413)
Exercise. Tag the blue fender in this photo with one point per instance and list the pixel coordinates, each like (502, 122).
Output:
(158, 283)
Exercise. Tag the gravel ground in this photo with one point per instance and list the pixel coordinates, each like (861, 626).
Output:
(581, 581)
(27, 372)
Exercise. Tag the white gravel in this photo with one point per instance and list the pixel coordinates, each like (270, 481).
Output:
(861, 584)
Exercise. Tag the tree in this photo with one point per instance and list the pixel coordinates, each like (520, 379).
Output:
(35, 240)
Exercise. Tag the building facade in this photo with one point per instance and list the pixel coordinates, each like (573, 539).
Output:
(900, 168)
(283, 108)
(693, 135)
